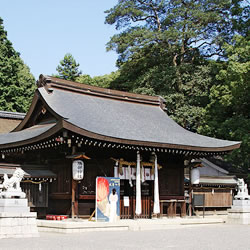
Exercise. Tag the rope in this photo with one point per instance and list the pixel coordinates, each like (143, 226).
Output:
(35, 182)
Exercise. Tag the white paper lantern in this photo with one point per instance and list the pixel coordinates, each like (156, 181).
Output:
(78, 170)
(195, 176)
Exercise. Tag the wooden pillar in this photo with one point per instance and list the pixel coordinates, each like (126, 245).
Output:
(183, 209)
(190, 194)
(74, 197)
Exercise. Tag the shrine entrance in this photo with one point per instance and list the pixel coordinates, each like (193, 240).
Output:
(128, 200)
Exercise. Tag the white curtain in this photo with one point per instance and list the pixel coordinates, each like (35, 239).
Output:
(116, 170)
(142, 174)
(156, 190)
(138, 185)
(129, 176)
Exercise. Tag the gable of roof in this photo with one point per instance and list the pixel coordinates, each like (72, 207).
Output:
(209, 164)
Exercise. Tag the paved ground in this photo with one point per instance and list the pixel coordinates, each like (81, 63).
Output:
(205, 237)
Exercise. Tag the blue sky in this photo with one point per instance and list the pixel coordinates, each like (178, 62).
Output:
(43, 31)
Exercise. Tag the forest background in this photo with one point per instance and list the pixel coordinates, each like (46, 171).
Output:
(193, 53)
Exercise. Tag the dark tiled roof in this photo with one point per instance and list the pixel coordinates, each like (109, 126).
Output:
(112, 116)
(30, 171)
(24, 135)
(124, 120)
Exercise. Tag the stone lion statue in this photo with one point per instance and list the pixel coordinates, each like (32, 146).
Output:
(13, 183)
(242, 190)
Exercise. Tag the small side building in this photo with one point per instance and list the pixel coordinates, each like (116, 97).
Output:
(10, 120)
(216, 184)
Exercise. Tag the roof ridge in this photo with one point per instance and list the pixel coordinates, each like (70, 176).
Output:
(11, 115)
(50, 82)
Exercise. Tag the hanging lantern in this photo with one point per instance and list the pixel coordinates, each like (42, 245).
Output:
(195, 176)
(78, 170)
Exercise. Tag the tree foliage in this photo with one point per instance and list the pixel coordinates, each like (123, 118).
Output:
(99, 81)
(228, 113)
(163, 48)
(193, 53)
(17, 84)
(181, 26)
(68, 68)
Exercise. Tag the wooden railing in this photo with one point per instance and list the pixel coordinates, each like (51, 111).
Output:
(129, 212)
(172, 203)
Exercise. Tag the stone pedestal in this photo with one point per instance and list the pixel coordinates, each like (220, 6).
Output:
(239, 213)
(14, 205)
(18, 225)
(13, 193)
(16, 220)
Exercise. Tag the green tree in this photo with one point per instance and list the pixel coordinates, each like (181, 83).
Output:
(68, 68)
(151, 74)
(86, 79)
(228, 113)
(181, 27)
(99, 81)
(17, 84)
(163, 48)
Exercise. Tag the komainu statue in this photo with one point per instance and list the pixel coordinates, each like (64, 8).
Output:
(242, 191)
(11, 186)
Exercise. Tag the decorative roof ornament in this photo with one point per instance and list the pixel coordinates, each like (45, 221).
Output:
(42, 81)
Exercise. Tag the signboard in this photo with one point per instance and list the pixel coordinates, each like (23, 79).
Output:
(126, 201)
(77, 170)
(107, 199)
(198, 200)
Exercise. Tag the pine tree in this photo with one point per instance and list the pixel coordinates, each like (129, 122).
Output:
(68, 68)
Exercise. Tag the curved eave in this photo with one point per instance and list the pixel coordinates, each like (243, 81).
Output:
(30, 139)
(29, 113)
(71, 127)
(63, 124)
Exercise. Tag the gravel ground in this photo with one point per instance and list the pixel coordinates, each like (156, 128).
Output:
(221, 236)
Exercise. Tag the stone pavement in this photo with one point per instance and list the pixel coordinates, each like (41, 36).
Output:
(188, 237)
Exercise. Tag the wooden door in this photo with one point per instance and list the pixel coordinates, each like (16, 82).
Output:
(130, 193)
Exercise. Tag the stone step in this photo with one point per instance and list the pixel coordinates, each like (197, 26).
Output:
(17, 209)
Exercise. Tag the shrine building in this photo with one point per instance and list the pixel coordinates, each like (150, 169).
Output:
(115, 134)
